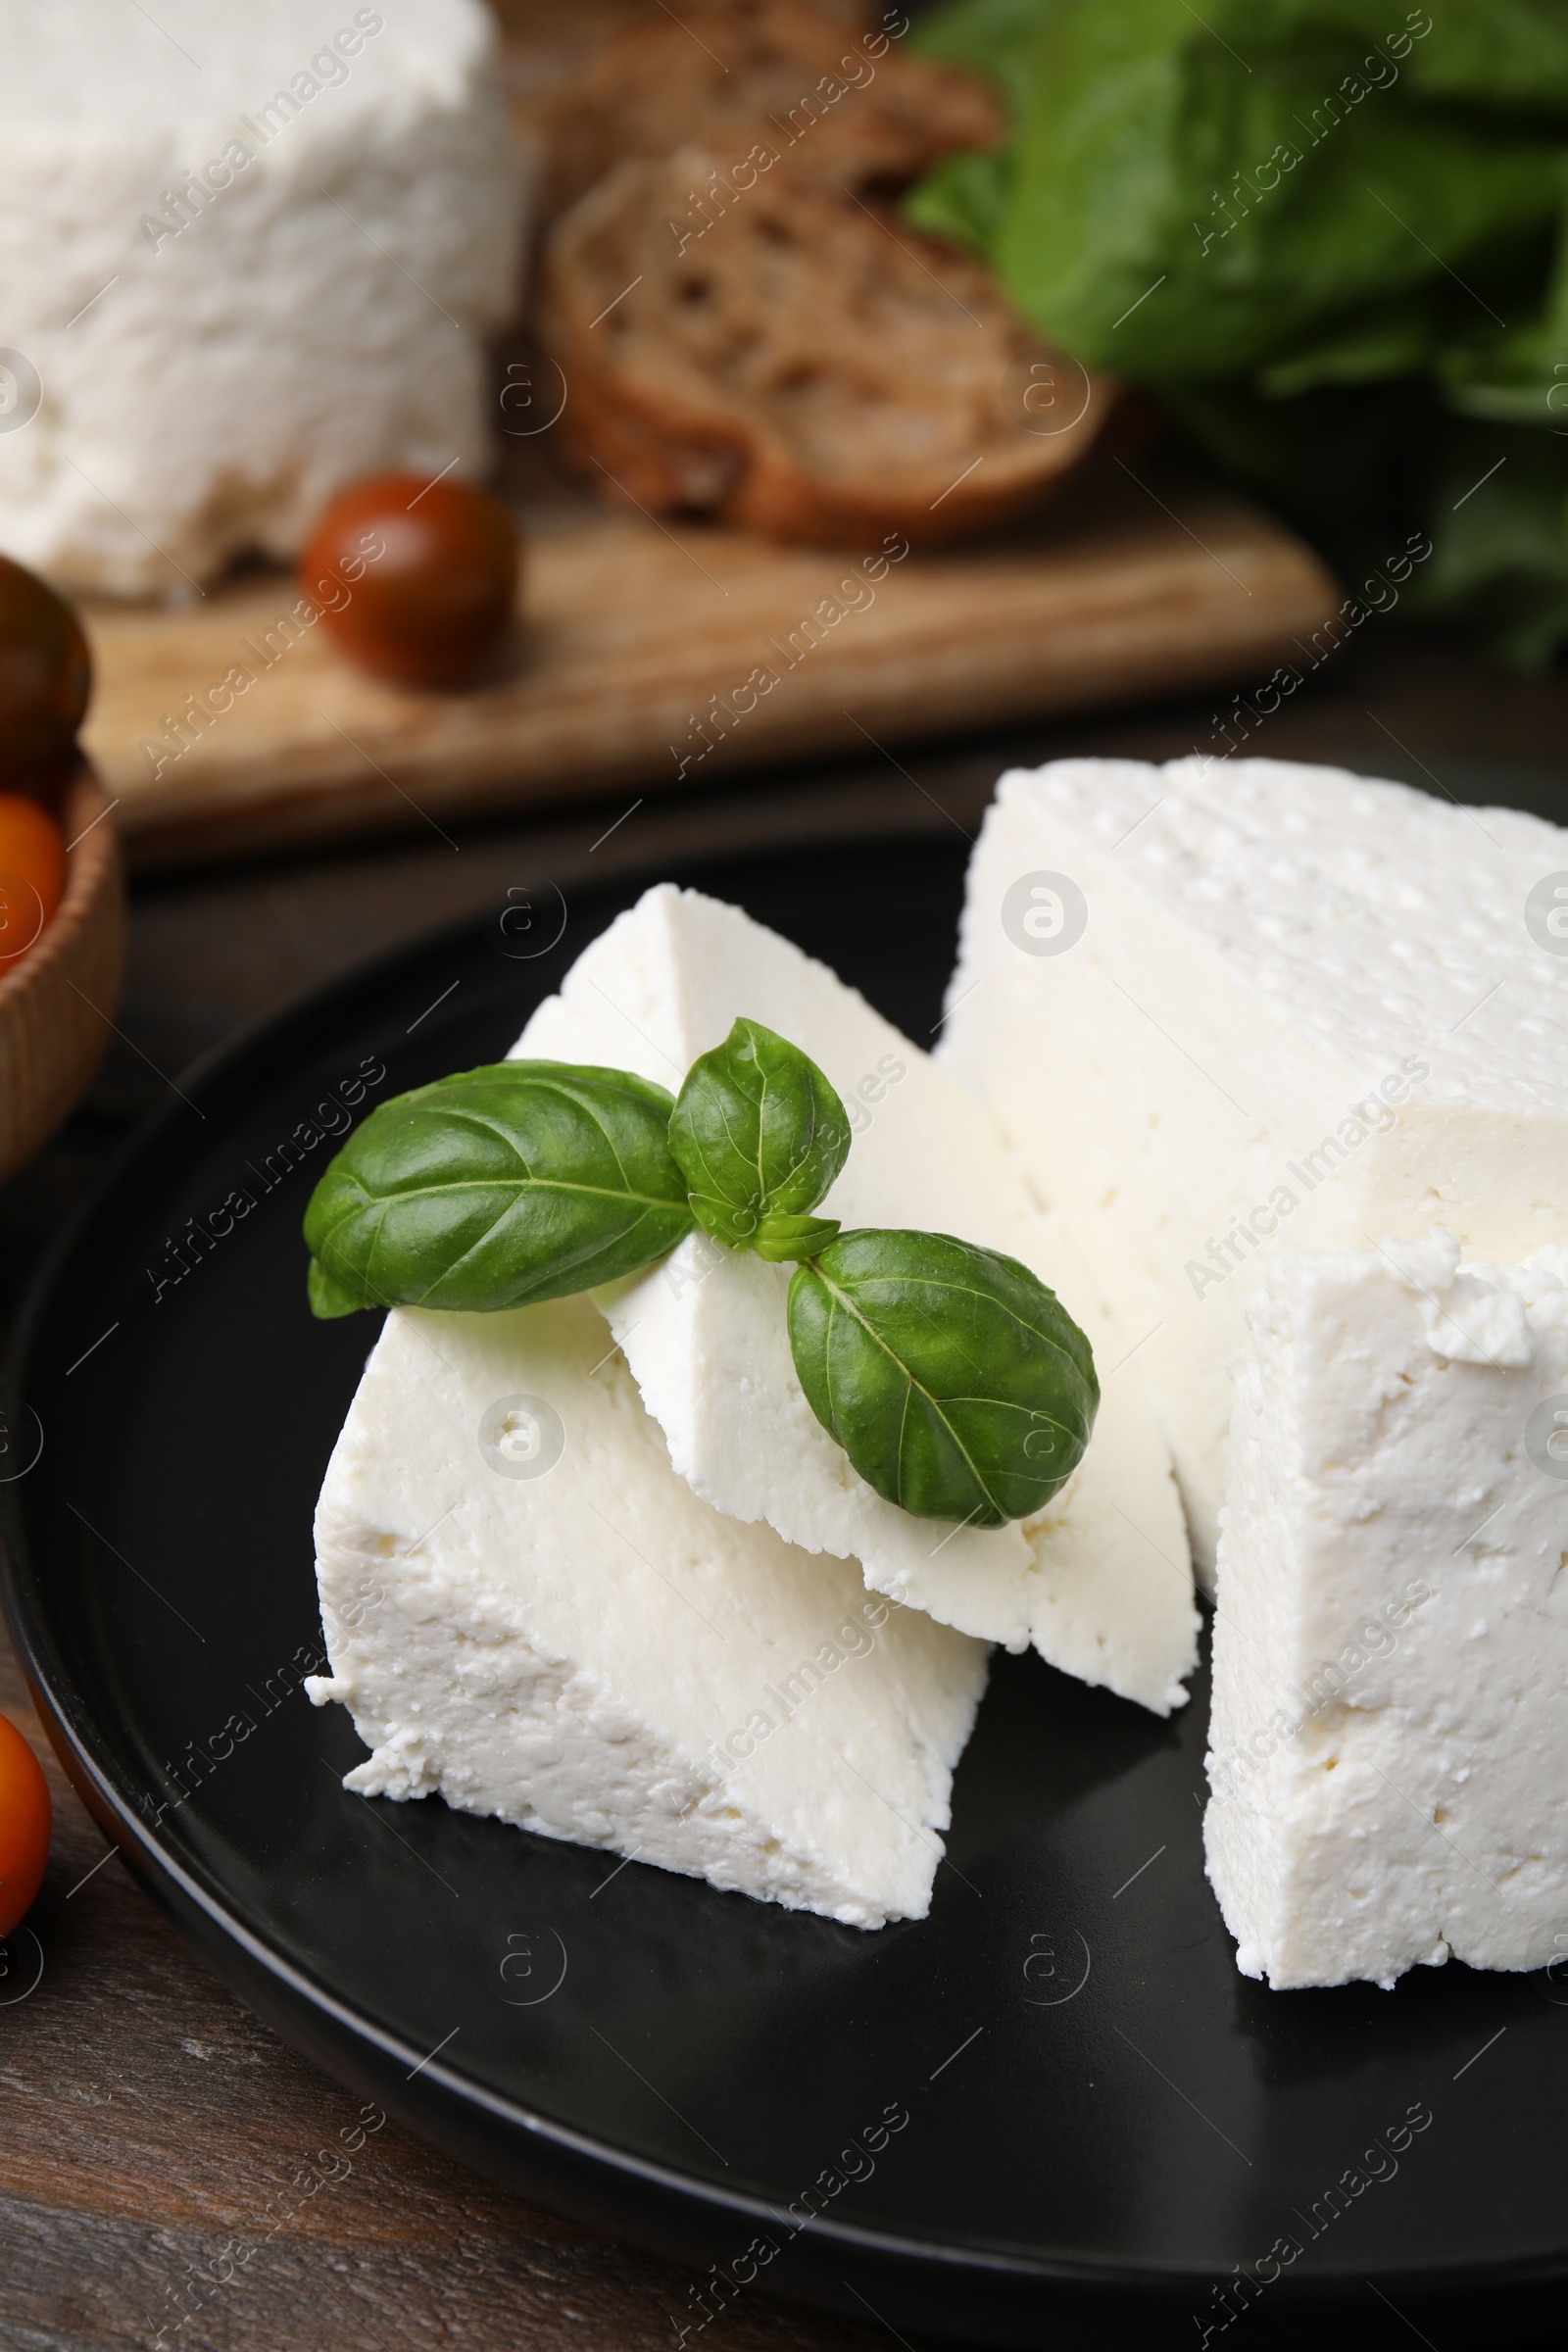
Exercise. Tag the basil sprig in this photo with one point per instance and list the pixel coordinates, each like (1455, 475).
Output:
(759, 1135)
(956, 1382)
(958, 1386)
(496, 1187)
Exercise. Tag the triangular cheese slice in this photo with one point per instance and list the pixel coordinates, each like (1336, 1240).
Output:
(1100, 1584)
(528, 1612)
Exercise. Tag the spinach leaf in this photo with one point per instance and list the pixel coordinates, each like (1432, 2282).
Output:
(956, 1382)
(1303, 225)
(759, 1135)
(496, 1187)
(1257, 171)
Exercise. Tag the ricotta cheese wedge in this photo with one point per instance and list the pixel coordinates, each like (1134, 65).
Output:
(1223, 1008)
(527, 1611)
(1100, 1582)
(1389, 1741)
(249, 255)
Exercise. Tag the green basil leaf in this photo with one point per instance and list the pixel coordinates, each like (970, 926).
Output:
(759, 1135)
(958, 1386)
(496, 1187)
(328, 1297)
(785, 1239)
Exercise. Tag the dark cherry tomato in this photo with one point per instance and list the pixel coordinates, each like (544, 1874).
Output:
(417, 579)
(45, 673)
(24, 1821)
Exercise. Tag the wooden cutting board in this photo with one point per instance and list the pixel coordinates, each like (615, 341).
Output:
(641, 657)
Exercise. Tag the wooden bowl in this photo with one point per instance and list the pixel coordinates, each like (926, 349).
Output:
(58, 1005)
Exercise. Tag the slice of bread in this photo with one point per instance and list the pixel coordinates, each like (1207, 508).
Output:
(789, 79)
(803, 364)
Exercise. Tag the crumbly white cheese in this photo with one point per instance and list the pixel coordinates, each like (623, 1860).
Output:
(1100, 1582)
(594, 1653)
(1388, 1741)
(1303, 1010)
(248, 255)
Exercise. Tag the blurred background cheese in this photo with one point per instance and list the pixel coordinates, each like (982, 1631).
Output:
(246, 256)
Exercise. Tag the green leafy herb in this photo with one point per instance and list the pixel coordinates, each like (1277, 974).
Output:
(329, 1297)
(1331, 235)
(759, 1135)
(955, 1382)
(496, 1187)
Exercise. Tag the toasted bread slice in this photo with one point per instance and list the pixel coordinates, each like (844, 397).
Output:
(793, 82)
(802, 365)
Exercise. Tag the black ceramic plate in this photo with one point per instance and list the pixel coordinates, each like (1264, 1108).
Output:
(1052, 2101)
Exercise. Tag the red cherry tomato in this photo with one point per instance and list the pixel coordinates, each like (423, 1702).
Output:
(45, 673)
(24, 1821)
(417, 579)
(32, 874)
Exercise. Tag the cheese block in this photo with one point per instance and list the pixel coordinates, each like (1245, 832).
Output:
(1100, 1581)
(527, 1611)
(1389, 1741)
(250, 253)
(1225, 1007)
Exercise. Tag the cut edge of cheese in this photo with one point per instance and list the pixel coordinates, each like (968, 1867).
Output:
(1111, 1548)
(1389, 1745)
(595, 1654)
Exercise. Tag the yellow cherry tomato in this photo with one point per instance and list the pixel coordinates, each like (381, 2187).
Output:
(24, 1822)
(32, 874)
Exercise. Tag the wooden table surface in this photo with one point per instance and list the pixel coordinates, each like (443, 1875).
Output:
(1128, 584)
(146, 2118)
